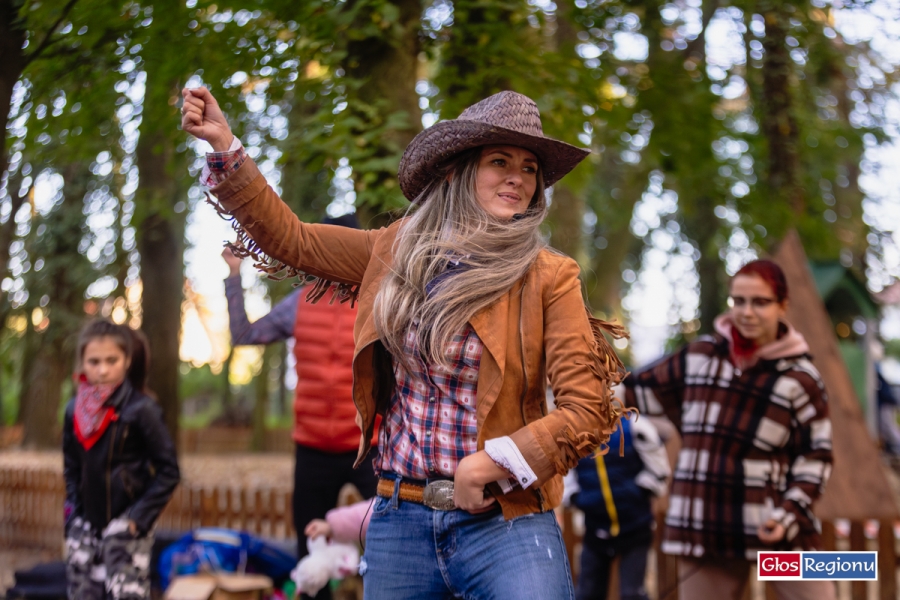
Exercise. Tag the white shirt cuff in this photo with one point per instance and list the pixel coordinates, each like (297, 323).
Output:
(506, 454)
(205, 174)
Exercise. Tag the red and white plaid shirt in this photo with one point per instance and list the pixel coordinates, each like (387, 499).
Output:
(431, 425)
(219, 165)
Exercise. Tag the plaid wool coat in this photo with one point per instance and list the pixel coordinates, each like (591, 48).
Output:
(756, 445)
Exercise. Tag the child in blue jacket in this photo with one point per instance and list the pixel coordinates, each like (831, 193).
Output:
(614, 493)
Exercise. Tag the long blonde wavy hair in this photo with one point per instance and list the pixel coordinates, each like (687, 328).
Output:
(449, 224)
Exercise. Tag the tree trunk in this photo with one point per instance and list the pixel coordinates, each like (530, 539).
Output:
(465, 80)
(604, 279)
(566, 216)
(261, 401)
(29, 347)
(227, 395)
(778, 122)
(12, 64)
(304, 188)
(282, 398)
(386, 66)
(160, 230)
(40, 410)
(160, 243)
(709, 265)
(63, 280)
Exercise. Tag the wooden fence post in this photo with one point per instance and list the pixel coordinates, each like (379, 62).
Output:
(887, 561)
(858, 542)
(829, 539)
(569, 538)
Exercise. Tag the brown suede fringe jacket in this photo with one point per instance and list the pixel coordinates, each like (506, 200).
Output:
(538, 330)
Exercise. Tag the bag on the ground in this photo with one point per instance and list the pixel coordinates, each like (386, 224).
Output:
(219, 550)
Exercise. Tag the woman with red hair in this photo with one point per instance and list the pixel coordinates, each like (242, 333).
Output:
(756, 441)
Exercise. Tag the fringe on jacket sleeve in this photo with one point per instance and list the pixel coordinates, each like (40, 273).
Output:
(245, 247)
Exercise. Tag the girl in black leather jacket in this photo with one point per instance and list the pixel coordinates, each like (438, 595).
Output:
(120, 466)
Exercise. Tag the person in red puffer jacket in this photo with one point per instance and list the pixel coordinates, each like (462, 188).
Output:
(325, 429)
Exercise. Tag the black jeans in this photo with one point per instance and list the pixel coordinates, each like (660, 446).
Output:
(597, 556)
(318, 477)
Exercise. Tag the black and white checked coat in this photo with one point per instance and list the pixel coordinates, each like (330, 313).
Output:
(756, 445)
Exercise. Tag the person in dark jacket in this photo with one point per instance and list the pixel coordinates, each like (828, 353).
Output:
(614, 493)
(119, 466)
(887, 414)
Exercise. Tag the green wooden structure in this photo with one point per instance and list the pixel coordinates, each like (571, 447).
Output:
(854, 315)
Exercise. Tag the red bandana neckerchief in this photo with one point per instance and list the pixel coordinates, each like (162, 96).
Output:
(743, 350)
(92, 417)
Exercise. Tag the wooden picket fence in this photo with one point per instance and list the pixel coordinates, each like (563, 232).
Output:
(31, 509)
(885, 542)
(31, 516)
(264, 512)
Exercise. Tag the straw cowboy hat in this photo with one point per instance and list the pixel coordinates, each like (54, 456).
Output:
(506, 118)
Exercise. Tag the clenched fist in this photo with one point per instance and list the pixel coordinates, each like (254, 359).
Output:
(202, 118)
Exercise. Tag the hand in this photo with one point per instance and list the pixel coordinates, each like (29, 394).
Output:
(473, 473)
(132, 527)
(659, 505)
(202, 118)
(317, 528)
(770, 532)
(234, 263)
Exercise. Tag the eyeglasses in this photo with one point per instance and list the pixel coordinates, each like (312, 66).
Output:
(755, 303)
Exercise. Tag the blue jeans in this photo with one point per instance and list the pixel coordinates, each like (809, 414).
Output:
(418, 553)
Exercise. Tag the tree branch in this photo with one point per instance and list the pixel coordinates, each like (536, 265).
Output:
(46, 41)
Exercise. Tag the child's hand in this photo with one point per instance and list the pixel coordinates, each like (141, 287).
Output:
(317, 528)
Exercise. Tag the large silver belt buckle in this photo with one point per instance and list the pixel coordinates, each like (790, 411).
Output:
(439, 495)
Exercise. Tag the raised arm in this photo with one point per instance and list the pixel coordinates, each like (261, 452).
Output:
(267, 228)
(277, 325)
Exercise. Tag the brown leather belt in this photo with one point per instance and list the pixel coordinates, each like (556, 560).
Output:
(437, 494)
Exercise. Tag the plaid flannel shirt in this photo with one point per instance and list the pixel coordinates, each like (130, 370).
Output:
(219, 165)
(756, 444)
(430, 425)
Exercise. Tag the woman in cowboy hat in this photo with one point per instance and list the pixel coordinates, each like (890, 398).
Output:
(464, 315)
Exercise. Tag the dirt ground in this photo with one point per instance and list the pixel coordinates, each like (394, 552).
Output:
(253, 470)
